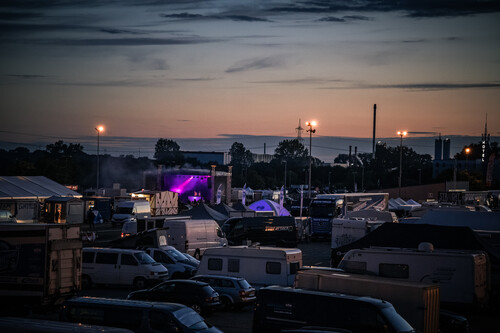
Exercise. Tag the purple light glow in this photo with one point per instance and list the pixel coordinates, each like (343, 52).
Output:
(189, 185)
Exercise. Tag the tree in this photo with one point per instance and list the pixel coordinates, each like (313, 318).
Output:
(167, 152)
(240, 155)
(291, 150)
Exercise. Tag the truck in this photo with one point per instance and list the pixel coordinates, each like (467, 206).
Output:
(40, 264)
(259, 265)
(265, 230)
(416, 302)
(463, 275)
(325, 207)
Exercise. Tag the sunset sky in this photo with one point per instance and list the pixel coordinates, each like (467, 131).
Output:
(216, 69)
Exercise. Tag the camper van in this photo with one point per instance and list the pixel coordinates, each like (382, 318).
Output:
(126, 211)
(260, 266)
(463, 276)
(194, 236)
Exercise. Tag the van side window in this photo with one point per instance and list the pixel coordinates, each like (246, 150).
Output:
(128, 259)
(233, 265)
(88, 257)
(106, 258)
(273, 267)
(215, 264)
(399, 271)
(294, 267)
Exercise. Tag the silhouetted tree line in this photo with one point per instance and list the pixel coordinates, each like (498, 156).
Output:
(68, 164)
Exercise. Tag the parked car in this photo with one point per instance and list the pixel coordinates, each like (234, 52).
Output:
(234, 292)
(178, 265)
(138, 316)
(196, 294)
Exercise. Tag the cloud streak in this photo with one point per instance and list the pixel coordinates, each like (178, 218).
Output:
(257, 63)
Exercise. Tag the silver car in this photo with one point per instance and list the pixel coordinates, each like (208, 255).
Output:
(234, 292)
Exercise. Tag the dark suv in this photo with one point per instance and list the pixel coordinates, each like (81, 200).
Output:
(198, 295)
(234, 292)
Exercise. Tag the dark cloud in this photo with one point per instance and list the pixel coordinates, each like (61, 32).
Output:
(121, 31)
(257, 63)
(27, 76)
(309, 80)
(413, 8)
(183, 16)
(195, 79)
(15, 16)
(345, 18)
(128, 41)
(244, 18)
(422, 86)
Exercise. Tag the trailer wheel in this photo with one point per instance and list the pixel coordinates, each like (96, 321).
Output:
(139, 283)
(86, 282)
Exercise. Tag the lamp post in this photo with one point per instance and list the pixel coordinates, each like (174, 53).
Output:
(401, 134)
(467, 152)
(311, 130)
(99, 129)
(285, 173)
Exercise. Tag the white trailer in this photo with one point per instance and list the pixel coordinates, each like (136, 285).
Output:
(347, 230)
(416, 302)
(463, 276)
(260, 266)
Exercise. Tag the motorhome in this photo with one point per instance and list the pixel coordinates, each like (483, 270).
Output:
(463, 276)
(194, 236)
(325, 207)
(126, 211)
(260, 266)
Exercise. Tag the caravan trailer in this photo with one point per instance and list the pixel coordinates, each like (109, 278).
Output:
(463, 276)
(260, 266)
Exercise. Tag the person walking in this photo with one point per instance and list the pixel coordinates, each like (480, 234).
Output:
(90, 218)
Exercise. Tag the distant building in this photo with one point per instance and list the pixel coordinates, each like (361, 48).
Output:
(262, 158)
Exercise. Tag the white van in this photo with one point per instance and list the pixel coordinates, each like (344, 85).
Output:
(194, 236)
(121, 267)
(260, 266)
(463, 276)
(126, 211)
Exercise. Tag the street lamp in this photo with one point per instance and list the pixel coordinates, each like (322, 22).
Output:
(99, 129)
(401, 134)
(467, 152)
(311, 130)
(285, 161)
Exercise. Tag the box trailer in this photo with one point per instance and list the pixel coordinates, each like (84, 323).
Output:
(40, 264)
(463, 276)
(418, 303)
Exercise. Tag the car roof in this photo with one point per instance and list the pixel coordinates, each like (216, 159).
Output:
(193, 282)
(123, 303)
(220, 277)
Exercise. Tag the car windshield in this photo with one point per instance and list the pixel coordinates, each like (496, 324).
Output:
(244, 284)
(190, 318)
(124, 210)
(397, 321)
(177, 255)
(191, 258)
(144, 258)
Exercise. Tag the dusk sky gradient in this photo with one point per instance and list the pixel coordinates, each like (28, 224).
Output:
(215, 69)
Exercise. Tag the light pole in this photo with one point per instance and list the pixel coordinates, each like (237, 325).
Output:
(99, 129)
(285, 174)
(467, 152)
(401, 134)
(311, 130)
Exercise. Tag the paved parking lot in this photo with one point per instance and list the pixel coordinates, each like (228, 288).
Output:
(314, 254)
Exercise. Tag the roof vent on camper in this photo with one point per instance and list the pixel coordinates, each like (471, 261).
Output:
(426, 247)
